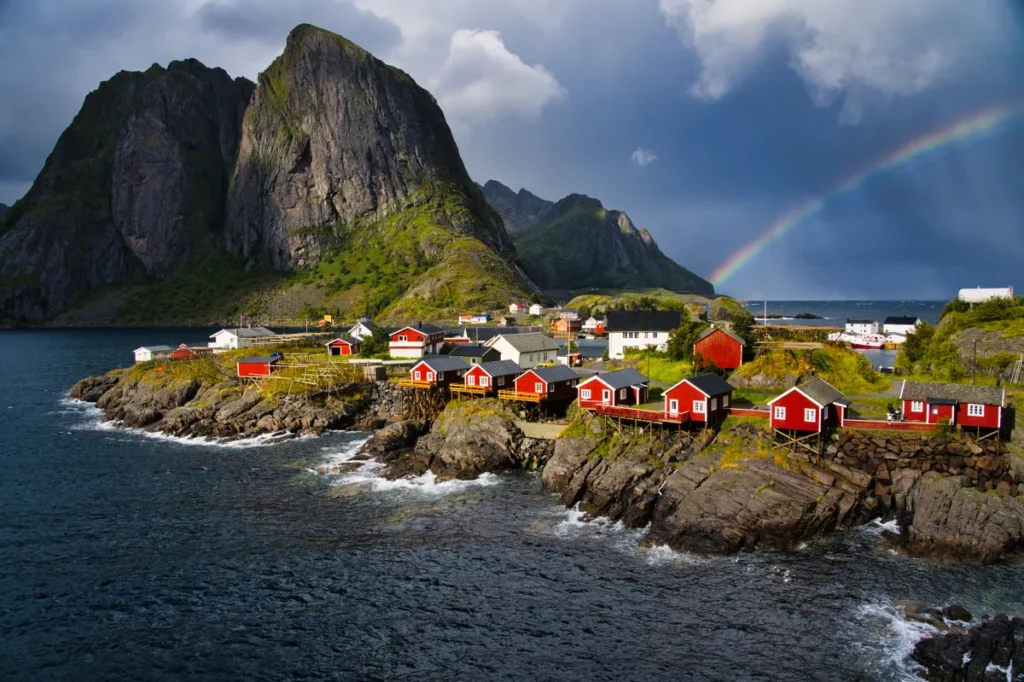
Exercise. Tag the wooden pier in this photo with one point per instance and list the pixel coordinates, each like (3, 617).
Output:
(635, 414)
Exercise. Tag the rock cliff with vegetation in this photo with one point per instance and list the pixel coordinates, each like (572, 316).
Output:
(732, 492)
(134, 189)
(577, 243)
(781, 369)
(334, 182)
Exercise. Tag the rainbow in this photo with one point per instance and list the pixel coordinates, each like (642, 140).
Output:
(979, 124)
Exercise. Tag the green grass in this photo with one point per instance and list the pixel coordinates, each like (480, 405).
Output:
(848, 371)
(742, 396)
(659, 368)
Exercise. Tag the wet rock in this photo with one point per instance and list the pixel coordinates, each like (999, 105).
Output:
(392, 438)
(958, 613)
(92, 389)
(985, 652)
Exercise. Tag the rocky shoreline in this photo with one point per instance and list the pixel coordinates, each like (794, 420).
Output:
(991, 650)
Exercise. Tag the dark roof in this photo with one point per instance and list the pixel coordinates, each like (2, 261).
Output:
(265, 360)
(488, 333)
(941, 401)
(849, 321)
(961, 393)
(426, 328)
(820, 391)
(708, 332)
(531, 343)
(900, 320)
(661, 321)
(556, 373)
(842, 402)
(443, 363)
(471, 350)
(711, 384)
(624, 378)
(501, 368)
(347, 339)
(369, 324)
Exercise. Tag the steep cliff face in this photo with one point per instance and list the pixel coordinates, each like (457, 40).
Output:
(577, 243)
(132, 190)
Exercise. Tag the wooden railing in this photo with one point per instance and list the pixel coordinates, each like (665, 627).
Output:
(640, 415)
(883, 425)
(516, 396)
(412, 383)
(748, 412)
(462, 389)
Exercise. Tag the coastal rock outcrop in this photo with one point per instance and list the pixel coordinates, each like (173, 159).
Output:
(991, 650)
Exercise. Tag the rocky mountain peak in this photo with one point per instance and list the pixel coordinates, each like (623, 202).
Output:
(518, 210)
(334, 139)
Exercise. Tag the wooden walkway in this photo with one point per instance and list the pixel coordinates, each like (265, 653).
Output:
(882, 425)
(640, 415)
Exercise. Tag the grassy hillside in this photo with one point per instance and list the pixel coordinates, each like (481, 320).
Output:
(603, 300)
(848, 371)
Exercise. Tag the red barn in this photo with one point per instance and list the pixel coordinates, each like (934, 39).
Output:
(969, 406)
(621, 388)
(182, 352)
(342, 346)
(557, 383)
(438, 371)
(720, 346)
(493, 376)
(258, 366)
(416, 341)
(706, 397)
(808, 407)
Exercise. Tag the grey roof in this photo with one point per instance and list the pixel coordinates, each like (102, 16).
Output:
(501, 368)
(273, 357)
(962, 393)
(248, 332)
(820, 391)
(660, 321)
(623, 378)
(443, 363)
(488, 333)
(711, 384)
(849, 321)
(843, 402)
(531, 343)
(369, 324)
(470, 350)
(158, 349)
(425, 328)
(711, 330)
(900, 320)
(555, 374)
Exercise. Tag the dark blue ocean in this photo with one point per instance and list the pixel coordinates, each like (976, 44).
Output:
(835, 313)
(126, 557)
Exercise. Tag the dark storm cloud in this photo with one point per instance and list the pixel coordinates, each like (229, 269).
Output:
(269, 20)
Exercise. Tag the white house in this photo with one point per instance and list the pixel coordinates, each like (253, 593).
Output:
(242, 337)
(526, 350)
(363, 329)
(536, 309)
(900, 325)
(980, 295)
(862, 327)
(628, 330)
(592, 323)
(517, 307)
(147, 353)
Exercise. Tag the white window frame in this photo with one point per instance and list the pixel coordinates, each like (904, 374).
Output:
(585, 394)
(917, 406)
(484, 382)
(810, 415)
(606, 396)
(501, 381)
(417, 375)
(975, 410)
(403, 338)
(622, 394)
(471, 380)
(538, 387)
(673, 406)
(430, 376)
(725, 401)
(698, 407)
(780, 413)
(714, 404)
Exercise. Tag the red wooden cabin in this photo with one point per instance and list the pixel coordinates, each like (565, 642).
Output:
(494, 376)
(438, 371)
(182, 352)
(706, 397)
(258, 366)
(809, 407)
(720, 346)
(416, 341)
(557, 383)
(969, 406)
(624, 387)
(343, 346)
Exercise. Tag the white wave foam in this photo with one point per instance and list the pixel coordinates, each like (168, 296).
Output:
(663, 555)
(897, 637)
(877, 527)
(367, 474)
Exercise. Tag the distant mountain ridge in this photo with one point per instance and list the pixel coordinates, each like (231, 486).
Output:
(3, 209)
(577, 243)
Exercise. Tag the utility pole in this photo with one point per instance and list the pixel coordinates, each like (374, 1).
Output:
(974, 363)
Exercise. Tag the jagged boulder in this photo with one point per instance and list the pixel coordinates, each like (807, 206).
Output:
(986, 652)
(92, 389)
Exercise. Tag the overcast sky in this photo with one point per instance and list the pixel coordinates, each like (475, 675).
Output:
(703, 119)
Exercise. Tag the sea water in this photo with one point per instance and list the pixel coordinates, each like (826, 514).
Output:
(126, 557)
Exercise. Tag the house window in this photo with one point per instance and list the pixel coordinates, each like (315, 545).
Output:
(975, 410)
(538, 387)
(698, 407)
(501, 381)
(714, 404)
(622, 394)
(551, 388)
(471, 380)
(810, 414)
(780, 413)
(403, 338)
(417, 376)
(430, 376)
(483, 381)
(606, 396)
(917, 406)
(673, 406)
(725, 401)
(935, 410)
(585, 394)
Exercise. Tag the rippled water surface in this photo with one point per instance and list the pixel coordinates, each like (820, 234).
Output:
(128, 557)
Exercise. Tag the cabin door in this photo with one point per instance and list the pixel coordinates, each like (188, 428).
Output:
(673, 407)
(606, 396)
